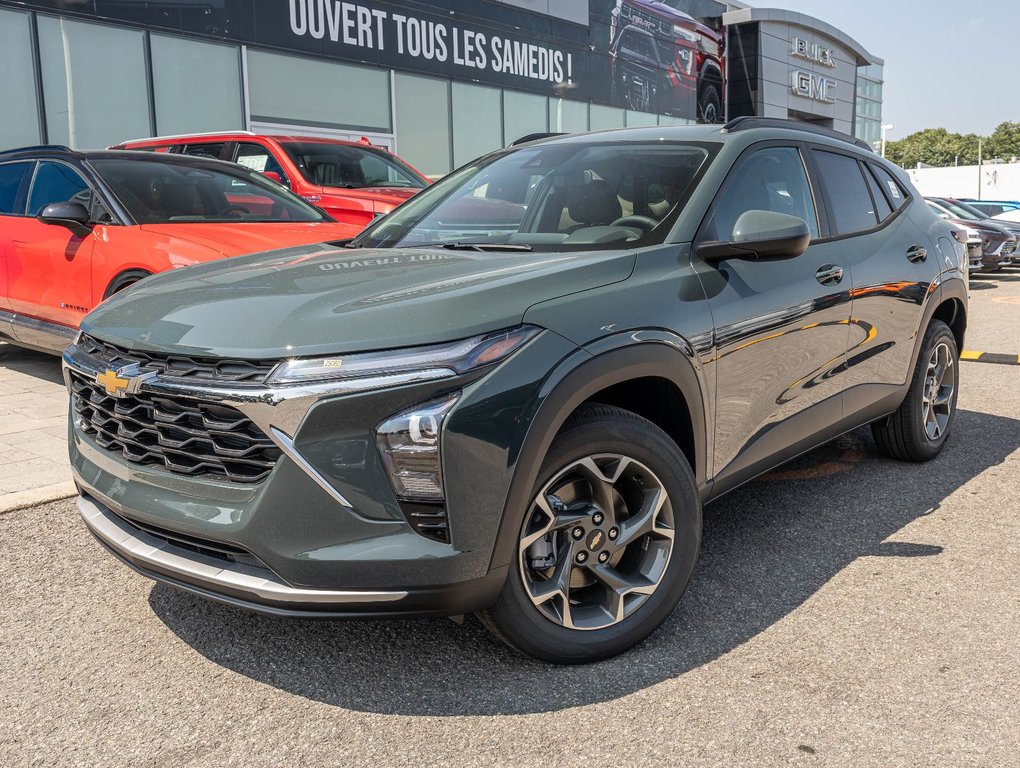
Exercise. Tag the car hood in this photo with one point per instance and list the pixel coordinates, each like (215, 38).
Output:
(324, 300)
(252, 237)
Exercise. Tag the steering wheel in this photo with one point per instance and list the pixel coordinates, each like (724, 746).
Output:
(647, 223)
(235, 209)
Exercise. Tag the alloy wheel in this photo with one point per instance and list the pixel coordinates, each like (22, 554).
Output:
(597, 542)
(937, 392)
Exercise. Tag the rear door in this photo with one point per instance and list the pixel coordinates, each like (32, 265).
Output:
(50, 268)
(781, 325)
(891, 266)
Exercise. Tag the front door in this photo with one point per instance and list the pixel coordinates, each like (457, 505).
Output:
(781, 325)
(49, 268)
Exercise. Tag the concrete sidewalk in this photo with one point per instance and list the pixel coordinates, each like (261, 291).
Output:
(33, 429)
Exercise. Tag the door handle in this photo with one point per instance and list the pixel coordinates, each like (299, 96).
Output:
(829, 274)
(916, 253)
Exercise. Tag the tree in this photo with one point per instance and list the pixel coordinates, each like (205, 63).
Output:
(1004, 142)
(934, 146)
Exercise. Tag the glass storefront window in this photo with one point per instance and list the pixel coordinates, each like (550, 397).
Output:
(524, 113)
(423, 122)
(477, 121)
(299, 91)
(566, 116)
(638, 119)
(20, 125)
(91, 72)
(178, 65)
(603, 117)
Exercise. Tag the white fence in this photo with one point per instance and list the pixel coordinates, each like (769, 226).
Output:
(998, 181)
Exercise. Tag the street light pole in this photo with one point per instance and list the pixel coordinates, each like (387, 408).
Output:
(885, 127)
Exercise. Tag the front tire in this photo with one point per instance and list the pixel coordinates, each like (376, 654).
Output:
(709, 104)
(920, 426)
(608, 544)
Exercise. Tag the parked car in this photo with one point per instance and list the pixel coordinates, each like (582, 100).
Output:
(354, 182)
(77, 227)
(991, 208)
(525, 419)
(998, 242)
(664, 60)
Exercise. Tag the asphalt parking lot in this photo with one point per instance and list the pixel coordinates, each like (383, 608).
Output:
(846, 610)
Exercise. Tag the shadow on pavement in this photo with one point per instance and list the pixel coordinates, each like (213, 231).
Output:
(767, 548)
(31, 363)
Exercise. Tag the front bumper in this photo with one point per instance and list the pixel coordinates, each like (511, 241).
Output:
(259, 589)
(322, 534)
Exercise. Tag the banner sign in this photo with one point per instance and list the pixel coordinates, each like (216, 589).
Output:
(661, 56)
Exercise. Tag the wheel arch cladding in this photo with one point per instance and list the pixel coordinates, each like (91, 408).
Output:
(123, 279)
(613, 378)
(952, 312)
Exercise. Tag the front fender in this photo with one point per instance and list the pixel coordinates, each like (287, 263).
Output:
(611, 360)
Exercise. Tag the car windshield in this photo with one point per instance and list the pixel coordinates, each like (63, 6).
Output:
(350, 167)
(155, 191)
(975, 213)
(961, 212)
(564, 195)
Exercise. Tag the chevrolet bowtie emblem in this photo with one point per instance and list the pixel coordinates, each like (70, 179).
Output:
(113, 382)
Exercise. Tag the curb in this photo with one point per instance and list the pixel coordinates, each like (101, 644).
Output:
(989, 357)
(35, 496)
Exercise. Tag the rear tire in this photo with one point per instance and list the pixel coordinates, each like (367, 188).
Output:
(920, 426)
(608, 544)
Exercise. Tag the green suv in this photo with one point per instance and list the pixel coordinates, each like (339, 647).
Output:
(513, 395)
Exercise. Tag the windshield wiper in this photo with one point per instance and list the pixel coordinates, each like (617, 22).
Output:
(459, 246)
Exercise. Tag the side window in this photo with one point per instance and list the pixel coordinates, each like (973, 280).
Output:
(211, 150)
(890, 186)
(57, 183)
(847, 191)
(771, 179)
(882, 208)
(258, 158)
(13, 177)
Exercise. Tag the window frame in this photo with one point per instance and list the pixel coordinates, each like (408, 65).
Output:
(35, 175)
(801, 147)
(908, 197)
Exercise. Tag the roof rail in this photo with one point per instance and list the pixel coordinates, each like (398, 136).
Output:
(534, 137)
(747, 122)
(37, 148)
(186, 136)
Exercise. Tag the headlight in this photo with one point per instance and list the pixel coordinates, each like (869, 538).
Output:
(686, 34)
(374, 370)
(410, 447)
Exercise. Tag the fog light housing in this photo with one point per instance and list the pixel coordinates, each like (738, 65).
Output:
(410, 446)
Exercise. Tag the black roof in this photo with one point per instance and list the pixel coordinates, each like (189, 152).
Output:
(59, 150)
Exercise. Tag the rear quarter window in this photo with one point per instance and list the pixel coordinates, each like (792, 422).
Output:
(896, 194)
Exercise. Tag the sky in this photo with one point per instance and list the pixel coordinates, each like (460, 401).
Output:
(949, 65)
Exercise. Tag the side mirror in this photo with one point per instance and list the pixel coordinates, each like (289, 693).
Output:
(274, 176)
(761, 235)
(73, 216)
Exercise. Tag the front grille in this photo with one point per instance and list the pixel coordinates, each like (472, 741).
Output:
(183, 436)
(243, 372)
(1008, 247)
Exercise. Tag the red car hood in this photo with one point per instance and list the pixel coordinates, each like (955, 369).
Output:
(253, 237)
(391, 195)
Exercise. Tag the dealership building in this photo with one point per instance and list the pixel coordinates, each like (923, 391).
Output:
(438, 82)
